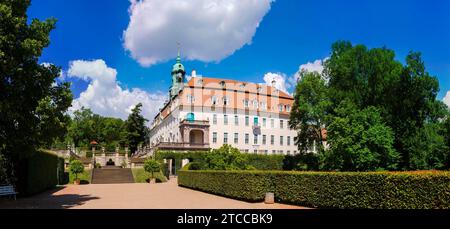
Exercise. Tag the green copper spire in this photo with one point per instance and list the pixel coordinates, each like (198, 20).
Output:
(178, 76)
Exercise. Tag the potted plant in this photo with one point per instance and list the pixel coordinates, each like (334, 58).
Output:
(152, 166)
(76, 167)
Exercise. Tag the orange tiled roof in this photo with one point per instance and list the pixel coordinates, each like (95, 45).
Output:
(236, 85)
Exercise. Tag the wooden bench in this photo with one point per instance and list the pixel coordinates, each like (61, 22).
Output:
(7, 190)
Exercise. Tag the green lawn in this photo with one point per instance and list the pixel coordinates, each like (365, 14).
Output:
(140, 176)
(85, 177)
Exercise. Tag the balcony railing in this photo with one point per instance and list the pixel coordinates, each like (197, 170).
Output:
(181, 146)
(195, 122)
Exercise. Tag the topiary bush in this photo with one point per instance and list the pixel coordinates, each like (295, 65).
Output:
(76, 167)
(355, 190)
(152, 166)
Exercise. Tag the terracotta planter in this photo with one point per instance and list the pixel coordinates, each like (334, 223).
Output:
(152, 181)
(76, 181)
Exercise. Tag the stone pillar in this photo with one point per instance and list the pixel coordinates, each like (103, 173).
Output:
(104, 156)
(126, 160)
(170, 166)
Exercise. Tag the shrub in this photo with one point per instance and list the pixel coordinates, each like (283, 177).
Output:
(141, 176)
(89, 154)
(37, 173)
(152, 166)
(76, 167)
(373, 190)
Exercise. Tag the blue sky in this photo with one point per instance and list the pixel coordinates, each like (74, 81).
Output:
(290, 33)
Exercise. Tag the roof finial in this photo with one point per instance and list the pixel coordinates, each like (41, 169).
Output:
(179, 47)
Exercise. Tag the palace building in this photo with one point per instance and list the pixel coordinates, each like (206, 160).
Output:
(205, 113)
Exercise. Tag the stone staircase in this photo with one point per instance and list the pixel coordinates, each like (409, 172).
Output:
(112, 175)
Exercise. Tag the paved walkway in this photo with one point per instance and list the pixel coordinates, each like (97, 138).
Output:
(133, 196)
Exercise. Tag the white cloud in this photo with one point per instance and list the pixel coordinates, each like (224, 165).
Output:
(278, 80)
(105, 96)
(447, 99)
(316, 66)
(208, 30)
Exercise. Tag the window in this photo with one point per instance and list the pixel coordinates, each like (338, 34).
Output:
(190, 98)
(264, 140)
(281, 140)
(288, 140)
(225, 138)
(214, 119)
(280, 107)
(236, 120)
(255, 104)
(274, 152)
(264, 122)
(255, 139)
(222, 83)
(247, 136)
(246, 103)
(236, 138)
(255, 121)
(255, 151)
(225, 119)
(214, 100)
(214, 138)
(288, 152)
(263, 105)
(226, 101)
(272, 123)
(247, 121)
(288, 108)
(272, 139)
(281, 124)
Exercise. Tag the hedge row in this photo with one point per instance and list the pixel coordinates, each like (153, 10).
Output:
(39, 172)
(372, 190)
(260, 162)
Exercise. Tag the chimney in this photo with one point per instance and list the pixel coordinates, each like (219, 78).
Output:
(194, 73)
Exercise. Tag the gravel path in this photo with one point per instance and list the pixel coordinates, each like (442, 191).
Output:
(133, 196)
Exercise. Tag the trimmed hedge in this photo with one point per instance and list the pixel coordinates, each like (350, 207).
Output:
(260, 162)
(38, 173)
(371, 190)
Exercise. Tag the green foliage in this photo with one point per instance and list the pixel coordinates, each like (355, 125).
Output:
(366, 190)
(88, 154)
(141, 176)
(37, 173)
(76, 167)
(136, 129)
(359, 140)
(32, 105)
(402, 98)
(152, 166)
(428, 149)
(309, 110)
(85, 177)
(87, 126)
(225, 158)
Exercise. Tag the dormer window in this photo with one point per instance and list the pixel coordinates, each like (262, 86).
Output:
(214, 100)
(222, 83)
(255, 104)
(190, 98)
(246, 103)
(243, 85)
(226, 101)
(200, 82)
